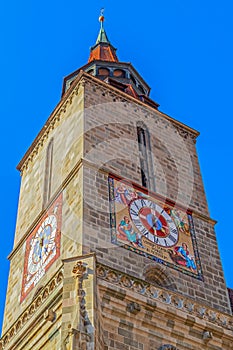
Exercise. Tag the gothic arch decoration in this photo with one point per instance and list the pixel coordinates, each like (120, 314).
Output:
(48, 173)
(157, 274)
(167, 347)
(145, 156)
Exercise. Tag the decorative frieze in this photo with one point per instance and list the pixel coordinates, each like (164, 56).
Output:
(167, 297)
(185, 134)
(28, 313)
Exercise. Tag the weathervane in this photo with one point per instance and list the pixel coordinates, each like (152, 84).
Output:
(101, 17)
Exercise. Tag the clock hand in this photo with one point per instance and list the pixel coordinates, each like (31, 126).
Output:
(154, 221)
(41, 246)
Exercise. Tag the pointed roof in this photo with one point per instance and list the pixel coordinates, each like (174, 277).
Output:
(102, 37)
(103, 50)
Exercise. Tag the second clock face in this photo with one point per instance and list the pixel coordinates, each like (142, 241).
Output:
(42, 244)
(153, 222)
(42, 247)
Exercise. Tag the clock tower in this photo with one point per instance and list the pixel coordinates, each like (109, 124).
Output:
(114, 245)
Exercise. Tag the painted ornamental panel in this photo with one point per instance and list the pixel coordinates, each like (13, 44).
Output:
(154, 227)
(42, 247)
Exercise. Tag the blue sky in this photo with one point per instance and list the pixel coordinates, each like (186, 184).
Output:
(184, 51)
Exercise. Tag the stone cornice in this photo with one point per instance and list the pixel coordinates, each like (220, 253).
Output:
(79, 257)
(182, 128)
(82, 78)
(165, 297)
(50, 123)
(38, 301)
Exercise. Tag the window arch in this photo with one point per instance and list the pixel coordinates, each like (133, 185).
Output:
(157, 275)
(48, 173)
(119, 73)
(145, 156)
(103, 71)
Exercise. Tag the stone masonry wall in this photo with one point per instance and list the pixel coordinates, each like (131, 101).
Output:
(107, 129)
(71, 245)
(134, 322)
(67, 152)
(67, 135)
(97, 237)
(111, 143)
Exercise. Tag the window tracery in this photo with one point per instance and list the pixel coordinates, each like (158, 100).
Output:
(145, 156)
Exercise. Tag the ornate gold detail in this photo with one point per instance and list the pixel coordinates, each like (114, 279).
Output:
(79, 269)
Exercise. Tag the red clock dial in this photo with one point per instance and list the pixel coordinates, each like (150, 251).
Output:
(153, 222)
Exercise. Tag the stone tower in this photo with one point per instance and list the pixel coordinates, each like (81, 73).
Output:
(114, 247)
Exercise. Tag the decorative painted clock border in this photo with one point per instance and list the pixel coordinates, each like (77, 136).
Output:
(152, 226)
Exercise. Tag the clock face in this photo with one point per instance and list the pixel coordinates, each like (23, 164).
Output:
(42, 244)
(153, 222)
(153, 227)
(42, 247)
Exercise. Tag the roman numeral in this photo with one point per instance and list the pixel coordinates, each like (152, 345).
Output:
(144, 203)
(144, 231)
(137, 222)
(133, 212)
(174, 230)
(136, 205)
(172, 238)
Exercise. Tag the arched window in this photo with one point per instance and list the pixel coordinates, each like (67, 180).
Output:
(48, 173)
(119, 73)
(103, 71)
(145, 155)
(167, 347)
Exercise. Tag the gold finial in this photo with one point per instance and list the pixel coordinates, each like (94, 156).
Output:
(101, 17)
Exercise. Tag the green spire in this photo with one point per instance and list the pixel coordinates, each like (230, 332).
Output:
(102, 37)
(102, 50)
